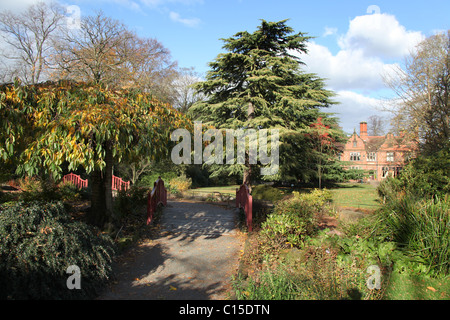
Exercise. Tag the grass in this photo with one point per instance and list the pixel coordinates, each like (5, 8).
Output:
(221, 189)
(356, 195)
(352, 195)
(405, 286)
(332, 267)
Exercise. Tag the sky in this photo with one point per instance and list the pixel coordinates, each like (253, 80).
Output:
(355, 42)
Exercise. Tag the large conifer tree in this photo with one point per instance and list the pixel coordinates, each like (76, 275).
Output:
(259, 84)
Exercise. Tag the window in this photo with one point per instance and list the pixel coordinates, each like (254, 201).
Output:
(372, 156)
(390, 156)
(354, 144)
(355, 156)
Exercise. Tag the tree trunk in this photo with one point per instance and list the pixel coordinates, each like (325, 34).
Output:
(248, 166)
(320, 176)
(247, 175)
(101, 199)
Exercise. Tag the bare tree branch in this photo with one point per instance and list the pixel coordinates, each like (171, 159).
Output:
(422, 89)
(28, 36)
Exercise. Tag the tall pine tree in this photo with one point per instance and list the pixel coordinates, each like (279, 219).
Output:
(259, 84)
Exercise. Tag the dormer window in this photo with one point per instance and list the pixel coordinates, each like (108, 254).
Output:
(390, 156)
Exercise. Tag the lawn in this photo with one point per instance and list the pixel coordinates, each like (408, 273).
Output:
(356, 195)
(221, 189)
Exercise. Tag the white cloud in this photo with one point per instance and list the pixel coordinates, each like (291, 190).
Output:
(329, 31)
(370, 49)
(364, 48)
(347, 70)
(354, 108)
(379, 35)
(187, 22)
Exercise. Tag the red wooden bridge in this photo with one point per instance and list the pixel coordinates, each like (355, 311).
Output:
(158, 196)
(117, 183)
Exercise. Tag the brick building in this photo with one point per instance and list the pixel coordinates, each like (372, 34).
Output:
(379, 156)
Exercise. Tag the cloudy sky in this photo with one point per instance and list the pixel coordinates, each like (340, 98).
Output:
(356, 41)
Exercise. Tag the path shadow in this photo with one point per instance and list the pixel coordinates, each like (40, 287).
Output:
(189, 221)
(171, 288)
(133, 264)
(133, 279)
(187, 260)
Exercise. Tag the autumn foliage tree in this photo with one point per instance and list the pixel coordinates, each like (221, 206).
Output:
(325, 141)
(85, 126)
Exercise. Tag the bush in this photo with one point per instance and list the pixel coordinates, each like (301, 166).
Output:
(290, 223)
(421, 229)
(266, 192)
(148, 180)
(41, 189)
(69, 192)
(317, 198)
(130, 201)
(179, 184)
(423, 177)
(39, 241)
(389, 188)
(29, 184)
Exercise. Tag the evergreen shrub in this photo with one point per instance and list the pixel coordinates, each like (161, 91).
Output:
(38, 242)
(292, 220)
(266, 192)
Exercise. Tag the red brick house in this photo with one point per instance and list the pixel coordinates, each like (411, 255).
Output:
(379, 156)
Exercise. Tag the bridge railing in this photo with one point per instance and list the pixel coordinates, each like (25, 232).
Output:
(157, 196)
(245, 200)
(119, 184)
(76, 180)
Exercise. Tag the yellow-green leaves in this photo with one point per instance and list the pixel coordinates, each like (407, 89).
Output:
(74, 122)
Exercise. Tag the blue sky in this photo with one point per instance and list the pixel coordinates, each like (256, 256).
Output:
(356, 41)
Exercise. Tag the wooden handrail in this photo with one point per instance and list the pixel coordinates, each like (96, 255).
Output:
(76, 180)
(156, 197)
(118, 184)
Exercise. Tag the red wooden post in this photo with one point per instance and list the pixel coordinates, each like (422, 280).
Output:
(157, 196)
(245, 200)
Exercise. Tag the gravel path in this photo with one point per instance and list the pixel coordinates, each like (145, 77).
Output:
(194, 258)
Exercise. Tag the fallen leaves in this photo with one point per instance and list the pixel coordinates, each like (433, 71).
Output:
(46, 230)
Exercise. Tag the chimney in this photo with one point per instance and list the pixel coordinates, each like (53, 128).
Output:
(363, 129)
